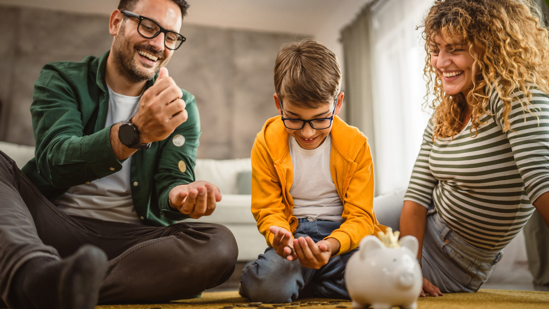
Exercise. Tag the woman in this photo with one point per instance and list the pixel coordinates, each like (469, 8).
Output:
(483, 167)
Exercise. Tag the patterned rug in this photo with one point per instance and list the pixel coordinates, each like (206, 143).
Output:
(483, 299)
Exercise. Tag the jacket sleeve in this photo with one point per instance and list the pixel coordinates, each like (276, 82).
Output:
(268, 207)
(65, 157)
(358, 204)
(422, 182)
(177, 162)
(528, 136)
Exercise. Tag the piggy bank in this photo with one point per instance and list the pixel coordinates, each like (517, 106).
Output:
(385, 273)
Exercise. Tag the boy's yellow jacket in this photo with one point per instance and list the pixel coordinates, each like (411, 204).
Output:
(351, 169)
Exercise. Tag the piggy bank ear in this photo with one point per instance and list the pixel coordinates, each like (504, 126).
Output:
(369, 244)
(410, 242)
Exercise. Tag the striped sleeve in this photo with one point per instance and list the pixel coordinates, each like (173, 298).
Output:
(422, 182)
(529, 138)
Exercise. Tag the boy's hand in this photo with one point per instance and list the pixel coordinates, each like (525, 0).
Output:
(283, 243)
(196, 199)
(313, 255)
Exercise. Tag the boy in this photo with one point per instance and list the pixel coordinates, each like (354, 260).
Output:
(312, 175)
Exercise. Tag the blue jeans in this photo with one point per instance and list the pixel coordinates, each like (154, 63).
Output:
(273, 279)
(452, 264)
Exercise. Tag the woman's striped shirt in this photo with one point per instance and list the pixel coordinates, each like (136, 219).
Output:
(483, 187)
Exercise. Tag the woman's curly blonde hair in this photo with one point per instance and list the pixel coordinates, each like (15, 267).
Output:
(509, 46)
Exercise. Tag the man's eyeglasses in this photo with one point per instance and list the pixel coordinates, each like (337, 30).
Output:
(150, 29)
(317, 123)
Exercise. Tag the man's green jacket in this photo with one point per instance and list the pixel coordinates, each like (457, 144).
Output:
(69, 111)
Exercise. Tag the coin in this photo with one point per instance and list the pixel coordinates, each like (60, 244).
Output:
(291, 248)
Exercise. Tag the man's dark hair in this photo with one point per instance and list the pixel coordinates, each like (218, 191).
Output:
(129, 5)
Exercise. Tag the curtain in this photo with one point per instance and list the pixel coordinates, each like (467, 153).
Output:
(384, 60)
(357, 76)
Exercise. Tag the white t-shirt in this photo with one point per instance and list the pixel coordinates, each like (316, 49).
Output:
(313, 190)
(108, 198)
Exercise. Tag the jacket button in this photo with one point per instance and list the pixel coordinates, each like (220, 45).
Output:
(141, 218)
(87, 182)
(182, 166)
(112, 168)
(178, 140)
(135, 184)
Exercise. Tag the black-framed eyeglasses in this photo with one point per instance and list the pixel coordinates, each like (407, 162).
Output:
(150, 29)
(317, 123)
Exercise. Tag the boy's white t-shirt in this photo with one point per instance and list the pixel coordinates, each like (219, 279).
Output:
(313, 190)
(108, 198)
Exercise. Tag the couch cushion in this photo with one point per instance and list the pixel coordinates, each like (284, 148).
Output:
(222, 173)
(233, 208)
(19, 153)
(388, 207)
(244, 182)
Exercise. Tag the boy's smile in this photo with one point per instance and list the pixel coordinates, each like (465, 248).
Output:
(309, 137)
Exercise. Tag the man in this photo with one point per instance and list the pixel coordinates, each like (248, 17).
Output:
(116, 143)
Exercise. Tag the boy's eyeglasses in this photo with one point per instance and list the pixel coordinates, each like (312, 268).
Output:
(150, 29)
(317, 123)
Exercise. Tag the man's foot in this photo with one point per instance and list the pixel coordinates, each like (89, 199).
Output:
(71, 283)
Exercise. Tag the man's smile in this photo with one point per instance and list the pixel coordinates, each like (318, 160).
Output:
(147, 55)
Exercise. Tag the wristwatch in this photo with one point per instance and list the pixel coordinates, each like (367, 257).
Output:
(129, 136)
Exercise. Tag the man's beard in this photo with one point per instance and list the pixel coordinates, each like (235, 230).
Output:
(125, 62)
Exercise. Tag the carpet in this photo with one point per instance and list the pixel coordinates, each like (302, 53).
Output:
(483, 299)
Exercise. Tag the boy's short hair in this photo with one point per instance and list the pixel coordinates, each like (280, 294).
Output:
(129, 5)
(307, 74)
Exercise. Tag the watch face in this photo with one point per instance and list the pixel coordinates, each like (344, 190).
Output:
(128, 135)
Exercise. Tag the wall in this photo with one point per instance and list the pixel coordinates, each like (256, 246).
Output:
(229, 71)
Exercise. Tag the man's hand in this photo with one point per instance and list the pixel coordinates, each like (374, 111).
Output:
(429, 288)
(313, 255)
(161, 110)
(282, 243)
(196, 199)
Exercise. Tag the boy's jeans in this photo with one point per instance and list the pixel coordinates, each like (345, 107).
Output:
(272, 279)
(451, 263)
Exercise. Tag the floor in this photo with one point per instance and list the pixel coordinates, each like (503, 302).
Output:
(521, 286)
(483, 299)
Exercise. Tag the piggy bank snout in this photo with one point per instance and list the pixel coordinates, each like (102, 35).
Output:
(405, 278)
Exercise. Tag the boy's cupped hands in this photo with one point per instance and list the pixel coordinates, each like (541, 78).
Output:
(315, 255)
(310, 254)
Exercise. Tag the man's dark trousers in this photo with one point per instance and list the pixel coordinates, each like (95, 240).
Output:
(146, 263)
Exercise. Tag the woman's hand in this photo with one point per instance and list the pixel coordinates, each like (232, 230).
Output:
(428, 287)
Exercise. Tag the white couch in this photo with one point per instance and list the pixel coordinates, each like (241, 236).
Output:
(234, 212)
